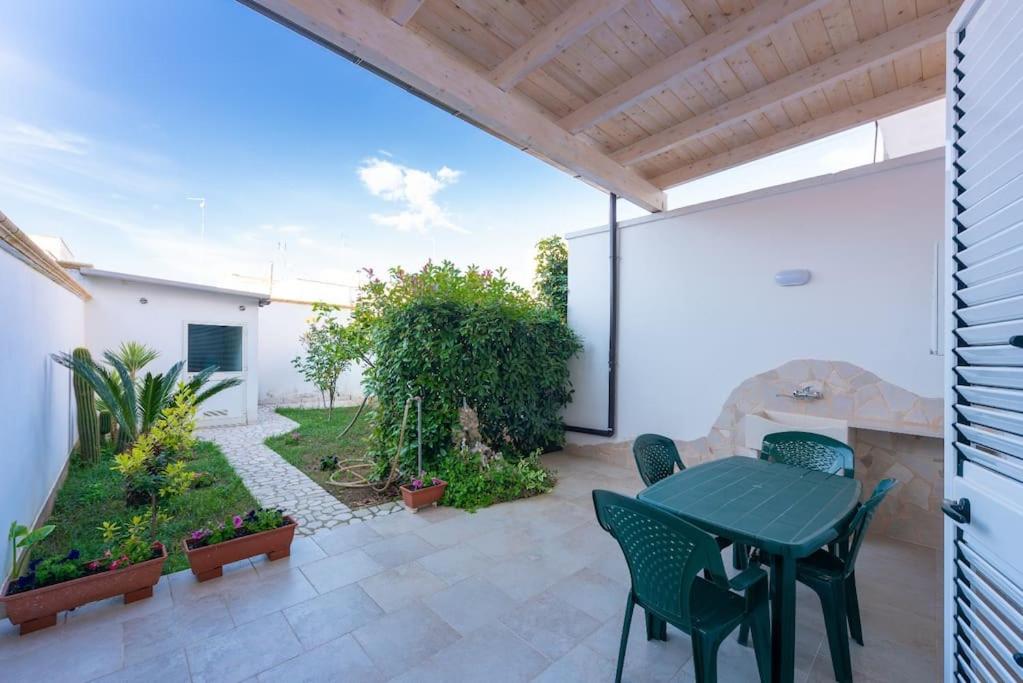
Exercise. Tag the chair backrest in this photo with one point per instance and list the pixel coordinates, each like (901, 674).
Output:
(857, 529)
(812, 451)
(665, 554)
(656, 457)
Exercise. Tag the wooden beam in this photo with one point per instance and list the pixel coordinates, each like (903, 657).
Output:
(569, 26)
(22, 247)
(359, 30)
(734, 36)
(911, 96)
(907, 38)
(401, 11)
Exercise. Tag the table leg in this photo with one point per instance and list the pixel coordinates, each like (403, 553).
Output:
(783, 619)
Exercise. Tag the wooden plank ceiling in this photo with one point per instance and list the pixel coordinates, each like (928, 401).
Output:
(636, 96)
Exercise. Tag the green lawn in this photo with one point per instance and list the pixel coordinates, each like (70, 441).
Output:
(95, 493)
(316, 437)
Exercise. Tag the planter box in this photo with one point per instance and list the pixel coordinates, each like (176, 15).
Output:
(38, 608)
(208, 562)
(423, 497)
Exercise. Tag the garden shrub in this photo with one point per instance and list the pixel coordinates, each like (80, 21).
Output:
(471, 484)
(459, 338)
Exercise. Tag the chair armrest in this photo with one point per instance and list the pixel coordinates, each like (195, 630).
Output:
(746, 578)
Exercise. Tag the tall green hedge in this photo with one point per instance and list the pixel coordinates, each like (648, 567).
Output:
(474, 337)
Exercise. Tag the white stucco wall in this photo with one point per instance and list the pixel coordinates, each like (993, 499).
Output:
(115, 315)
(281, 325)
(700, 312)
(37, 420)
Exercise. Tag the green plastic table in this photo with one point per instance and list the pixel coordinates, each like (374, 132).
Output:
(786, 511)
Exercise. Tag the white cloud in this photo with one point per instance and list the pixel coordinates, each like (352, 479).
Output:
(413, 190)
(16, 133)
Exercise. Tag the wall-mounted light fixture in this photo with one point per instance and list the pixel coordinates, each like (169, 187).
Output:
(143, 300)
(241, 308)
(792, 278)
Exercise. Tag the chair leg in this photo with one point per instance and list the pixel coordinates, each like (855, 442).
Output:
(629, 605)
(744, 631)
(656, 629)
(852, 606)
(832, 599)
(761, 623)
(705, 657)
(740, 556)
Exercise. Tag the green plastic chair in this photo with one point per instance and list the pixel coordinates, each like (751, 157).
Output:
(657, 458)
(812, 451)
(666, 556)
(833, 578)
(803, 449)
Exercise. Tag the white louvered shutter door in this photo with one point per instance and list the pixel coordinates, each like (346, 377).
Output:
(984, 399)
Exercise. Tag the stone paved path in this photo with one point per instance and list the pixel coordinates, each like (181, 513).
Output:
(276, 483)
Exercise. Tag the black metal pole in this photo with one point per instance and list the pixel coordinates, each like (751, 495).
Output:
(612, 344)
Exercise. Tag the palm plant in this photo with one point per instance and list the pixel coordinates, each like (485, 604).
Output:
(135, 356)
(136, 405)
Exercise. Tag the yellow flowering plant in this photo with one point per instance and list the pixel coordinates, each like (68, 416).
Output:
(154, 467)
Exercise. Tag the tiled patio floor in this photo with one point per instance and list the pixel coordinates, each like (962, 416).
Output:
(532, 590)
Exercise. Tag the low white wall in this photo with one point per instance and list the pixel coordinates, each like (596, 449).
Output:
(700, 312)
(115, 315)
(37, 428)
(281, 324)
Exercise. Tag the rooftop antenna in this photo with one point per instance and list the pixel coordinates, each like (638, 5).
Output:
(202, 231)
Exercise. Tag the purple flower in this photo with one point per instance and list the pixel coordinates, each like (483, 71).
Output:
(198, 534)
(73, 554)
(435, 481)
(238, 521)
(417, 484)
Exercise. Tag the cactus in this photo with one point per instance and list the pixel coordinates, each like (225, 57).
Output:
(88, 418)
(106, 424)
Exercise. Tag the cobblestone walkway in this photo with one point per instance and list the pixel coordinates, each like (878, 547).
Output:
(276, 483)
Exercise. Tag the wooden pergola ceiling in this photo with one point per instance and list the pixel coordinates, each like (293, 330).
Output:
(636, 96)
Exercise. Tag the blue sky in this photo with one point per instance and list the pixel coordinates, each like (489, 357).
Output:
(116, 111)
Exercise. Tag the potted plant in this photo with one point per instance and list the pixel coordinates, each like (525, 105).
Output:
(265, 531)
(133, 561)
(42, 588)
(422, 492)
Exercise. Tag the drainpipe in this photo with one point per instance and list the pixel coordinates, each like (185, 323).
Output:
(612, 344)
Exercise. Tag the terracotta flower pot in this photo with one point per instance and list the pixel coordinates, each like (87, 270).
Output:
(208, 561)
(422, 497)
(38, 608)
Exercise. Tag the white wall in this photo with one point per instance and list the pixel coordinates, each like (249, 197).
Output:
(115, 315)
(37, 429)
(280, 326)
(700, 313)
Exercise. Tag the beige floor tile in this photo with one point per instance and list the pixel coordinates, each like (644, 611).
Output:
(331, 615)
(342, 659)
(395, 550)
(340, 570)
(243, 652)
(303, 551)
(455, 564)
(175, 628)
(470, 604)
(395, 588)
(550, 625)
(345, 538)
(400, 640)
(475, 658)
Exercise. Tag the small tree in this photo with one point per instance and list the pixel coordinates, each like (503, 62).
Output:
(155, 466)
(330, 349)
(551, 277)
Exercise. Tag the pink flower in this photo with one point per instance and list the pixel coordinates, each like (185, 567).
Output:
(417, 484)
(115, 564)
(238, 521)
(93, 566)
(198, 534)
(436, 481)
